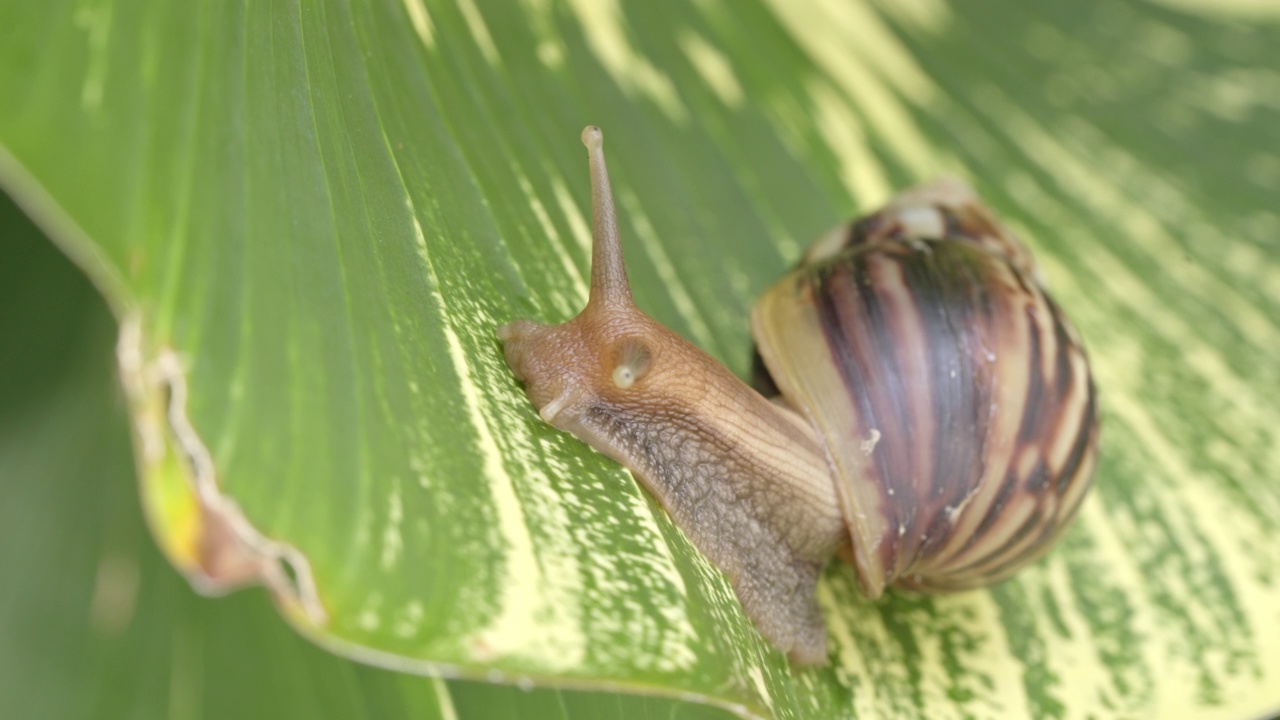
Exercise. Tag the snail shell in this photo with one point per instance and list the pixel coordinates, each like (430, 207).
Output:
(952, 393)
(936, 425)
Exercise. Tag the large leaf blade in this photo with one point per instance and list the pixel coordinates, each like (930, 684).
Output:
(96, 623)
(334, 207)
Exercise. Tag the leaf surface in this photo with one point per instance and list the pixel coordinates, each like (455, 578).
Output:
(309, 218)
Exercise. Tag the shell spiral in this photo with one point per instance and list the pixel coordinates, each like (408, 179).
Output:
(952, 394)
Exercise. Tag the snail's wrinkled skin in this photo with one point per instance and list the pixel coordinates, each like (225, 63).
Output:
(937, 423)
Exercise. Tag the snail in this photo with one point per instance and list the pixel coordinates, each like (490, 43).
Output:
(936, 423)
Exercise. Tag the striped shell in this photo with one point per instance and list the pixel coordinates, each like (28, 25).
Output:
(954, 397)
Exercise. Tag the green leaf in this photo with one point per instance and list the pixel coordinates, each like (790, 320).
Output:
(310, 217)
(95, 622)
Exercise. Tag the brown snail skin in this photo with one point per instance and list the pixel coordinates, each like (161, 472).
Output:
(936, 426)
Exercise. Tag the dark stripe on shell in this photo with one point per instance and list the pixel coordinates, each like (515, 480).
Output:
(1086, 441)
(843, 317)
(1037, 396)
(889, 395)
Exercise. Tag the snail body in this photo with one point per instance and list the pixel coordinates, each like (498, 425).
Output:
(936, 424)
